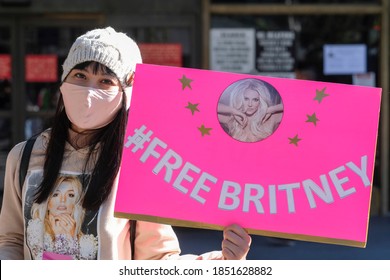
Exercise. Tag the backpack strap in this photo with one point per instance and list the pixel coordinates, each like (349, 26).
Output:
(25, 160)
(133, 225)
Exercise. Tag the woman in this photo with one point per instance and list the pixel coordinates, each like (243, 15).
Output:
(251, 113)
(87, 139)
(59, 221)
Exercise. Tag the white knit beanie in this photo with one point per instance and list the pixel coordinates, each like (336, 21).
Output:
(113, 49)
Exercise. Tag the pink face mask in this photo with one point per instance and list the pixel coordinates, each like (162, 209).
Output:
(90, 108)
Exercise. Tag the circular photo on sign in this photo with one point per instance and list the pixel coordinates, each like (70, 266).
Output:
(250, 110)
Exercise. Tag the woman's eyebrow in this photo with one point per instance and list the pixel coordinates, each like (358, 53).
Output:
(105, 74)
(108, 75)
(101, 73)
(82, 70)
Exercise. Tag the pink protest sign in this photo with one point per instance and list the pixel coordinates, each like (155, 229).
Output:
(281, 157)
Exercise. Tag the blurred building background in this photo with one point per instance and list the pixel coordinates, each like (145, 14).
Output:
(287, 38)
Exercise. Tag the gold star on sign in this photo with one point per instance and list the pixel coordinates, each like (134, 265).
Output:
(294, 140)
(204, 130)
(185, 82)
(193, 107)
(320, 94)
(312, 118)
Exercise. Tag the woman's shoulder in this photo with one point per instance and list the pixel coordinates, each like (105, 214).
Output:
(16, 152)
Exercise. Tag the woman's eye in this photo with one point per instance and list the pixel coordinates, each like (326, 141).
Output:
(107, 82)
(79, 75)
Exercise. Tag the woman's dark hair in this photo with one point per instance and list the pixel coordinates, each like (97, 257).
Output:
(105, 158)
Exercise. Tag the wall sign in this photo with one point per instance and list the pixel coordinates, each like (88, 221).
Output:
(5, 67)
(41, 68)
(162, 54)
(345, 59)
(232, 49)
(275, 51)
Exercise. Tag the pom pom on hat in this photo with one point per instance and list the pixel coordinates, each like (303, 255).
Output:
(113, 49)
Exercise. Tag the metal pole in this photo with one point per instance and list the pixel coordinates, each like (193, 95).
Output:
(384, 125)
(206, 33)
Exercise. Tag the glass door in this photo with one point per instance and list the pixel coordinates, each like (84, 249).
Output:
(5, 87)
(5, 97)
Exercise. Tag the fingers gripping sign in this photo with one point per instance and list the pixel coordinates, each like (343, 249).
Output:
(236, 243)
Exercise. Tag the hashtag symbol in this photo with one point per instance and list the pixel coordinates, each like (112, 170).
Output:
(138, 139)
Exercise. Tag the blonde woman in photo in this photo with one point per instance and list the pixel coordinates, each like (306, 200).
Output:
(250, 113)
(62, 216)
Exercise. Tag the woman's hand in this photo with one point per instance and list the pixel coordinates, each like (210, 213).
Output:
(236, 243)
(272, 110)
(63, 224)
(240, 117)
